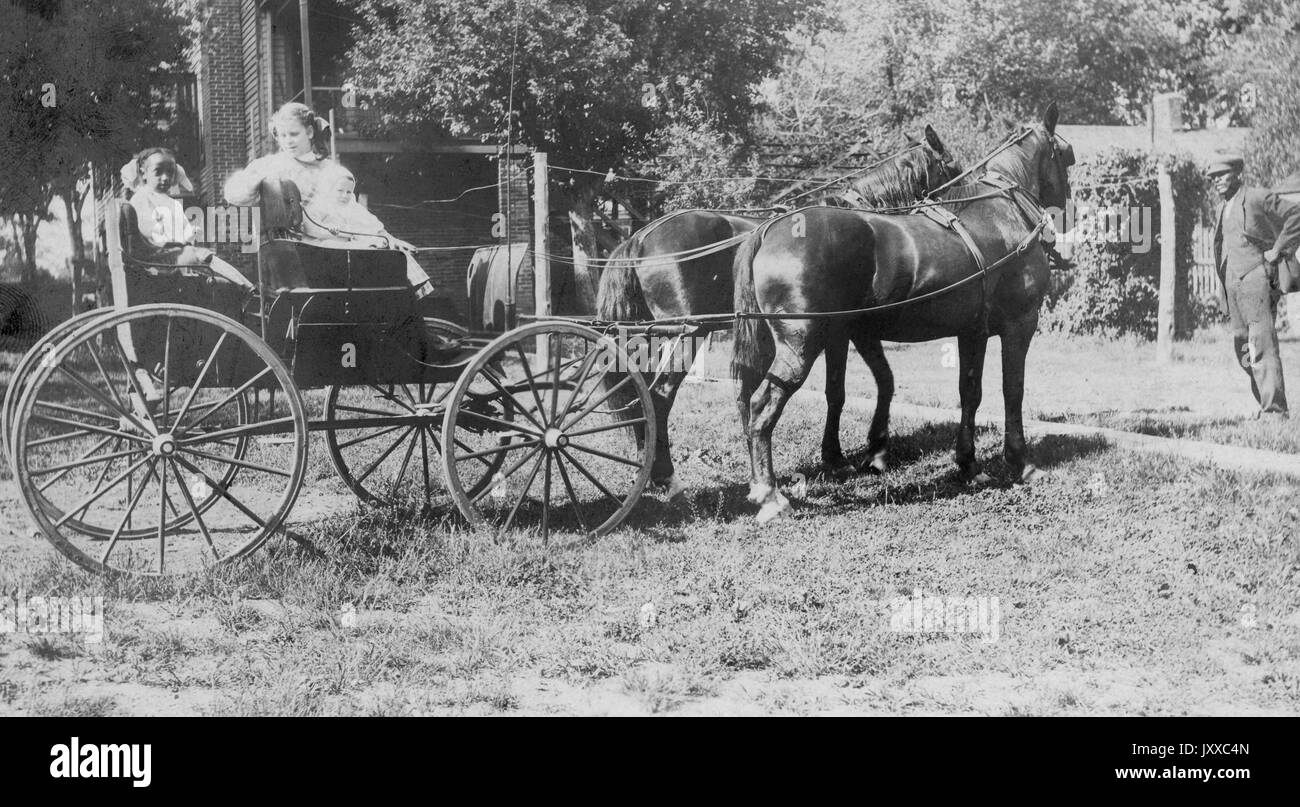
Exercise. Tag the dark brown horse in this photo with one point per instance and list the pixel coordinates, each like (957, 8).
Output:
(660, 273)
(925, 273)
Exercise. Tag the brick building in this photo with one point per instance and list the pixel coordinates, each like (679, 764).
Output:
(254, 55)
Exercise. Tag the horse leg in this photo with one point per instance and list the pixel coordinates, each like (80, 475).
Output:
(786, 375)
(873, 353)
(1015, 344)
(837, 353)
(748, 383)
(662, 472)
(970, 349)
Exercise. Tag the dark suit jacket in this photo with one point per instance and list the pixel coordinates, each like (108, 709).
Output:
(1270, 222)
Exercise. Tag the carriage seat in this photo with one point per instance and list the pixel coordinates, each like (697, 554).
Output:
(142, 273)
(290, 263)
(137, 251)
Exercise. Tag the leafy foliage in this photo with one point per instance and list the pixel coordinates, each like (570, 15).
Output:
(593, 79)
(81, 86)
(1112, 289)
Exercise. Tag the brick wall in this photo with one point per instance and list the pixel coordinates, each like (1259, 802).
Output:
(427, 199)
(514, 174)
(218, 64)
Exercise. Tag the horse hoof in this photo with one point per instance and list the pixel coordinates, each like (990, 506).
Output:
(981, 478)
(1029, 473)
(877, 466)
(671, 487)
(840, 471)
(758, 492)
(772, 508)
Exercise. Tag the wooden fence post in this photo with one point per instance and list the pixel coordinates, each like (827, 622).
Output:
(1168, 269)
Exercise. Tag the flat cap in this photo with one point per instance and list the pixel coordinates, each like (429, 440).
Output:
(1225, 163)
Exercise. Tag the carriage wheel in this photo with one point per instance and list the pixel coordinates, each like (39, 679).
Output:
(577, 451)
(121, 480)
(14, 395)
(387, 436)
(29, 360)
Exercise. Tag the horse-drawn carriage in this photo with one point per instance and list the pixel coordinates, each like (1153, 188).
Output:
(161, 435)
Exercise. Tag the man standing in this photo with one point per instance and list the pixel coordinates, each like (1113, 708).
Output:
(1256, 231)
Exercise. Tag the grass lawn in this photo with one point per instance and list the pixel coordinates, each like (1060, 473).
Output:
(1126, 584)
(1118, 384)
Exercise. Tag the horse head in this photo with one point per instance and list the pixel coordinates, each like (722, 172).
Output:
(1038, 160)
(942, 166)
(1054, 158)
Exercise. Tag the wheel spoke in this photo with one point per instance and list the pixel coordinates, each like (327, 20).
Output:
(72, 410)
(85, 428)
(583, 470)
(203, 373)
(101, 397)
(194, 511)
(528, 376)
(221, 489)
(599, 453)
(582, 378)
(250, 382)
(103, 473)
(90, 451)
(95, 496)
(424, 468)
(502, 424)
(607, 427)
(376, 412)
(252, 466)
(546, 497)
(163, 498)
(406, 462)
(83, 460)
(506, 475)
(363, 438)
(523, 494)
(126, 517)
(493, 381)
(135, 386)
(573, 497)
(166, 390)
(487, 452)
(589, 408)
(108, 384)
(371, 468)
(238, 431)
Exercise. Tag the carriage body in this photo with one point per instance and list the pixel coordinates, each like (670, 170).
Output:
(169, 432)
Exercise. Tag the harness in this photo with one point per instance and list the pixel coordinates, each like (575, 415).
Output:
(1029, 209)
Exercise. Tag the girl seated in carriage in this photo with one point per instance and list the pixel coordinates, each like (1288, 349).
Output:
(161, 218)
(303, 158)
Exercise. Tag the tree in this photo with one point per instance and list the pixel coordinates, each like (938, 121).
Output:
(595, 81)
(1262, 65)
(84, 84)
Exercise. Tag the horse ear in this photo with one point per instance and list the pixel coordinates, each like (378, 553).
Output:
(932, 137)
(1050, 119)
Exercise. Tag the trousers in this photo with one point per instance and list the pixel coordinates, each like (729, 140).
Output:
(1252, 307)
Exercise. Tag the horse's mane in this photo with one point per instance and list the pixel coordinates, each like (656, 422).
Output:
(898, 182)
(1015, 162)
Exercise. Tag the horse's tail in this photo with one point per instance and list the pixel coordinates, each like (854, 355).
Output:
(621, 298)
(752, 348)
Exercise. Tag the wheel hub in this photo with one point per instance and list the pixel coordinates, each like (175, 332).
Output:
(554, 438)
(164, 445)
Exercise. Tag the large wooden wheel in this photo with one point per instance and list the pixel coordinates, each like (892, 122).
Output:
(120, 479)
(385, 439)
(33, 357)
(545, 429)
